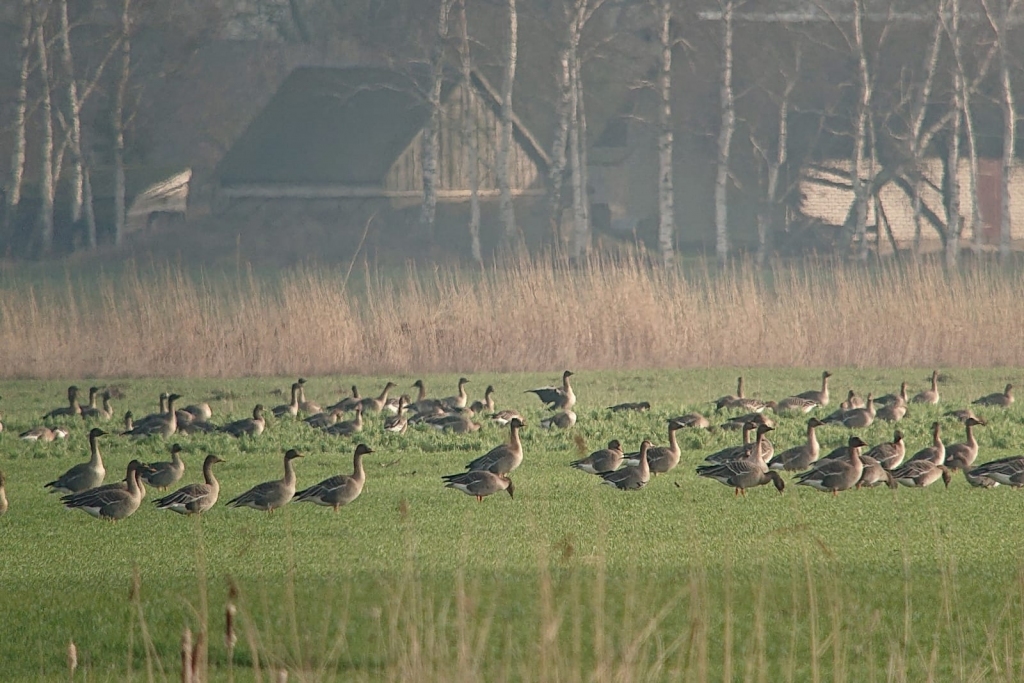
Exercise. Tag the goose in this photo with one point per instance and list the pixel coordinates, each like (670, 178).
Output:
(1006, 471)
(503, 417)
(1002, 400)
(199, 411)
(44, 434)
(348, 427)
(890, 454)
(660, 459)
(860, 418)
(739, 422)
(460, 399)
(556, 398)
(692, 421)
(129, 421)
(893, 412)
(800, 457)
(3, 494)
(110, 502)
(93, 393)
(194, 499)
(728, 401)
(930, 396)
(479, 483)
(322, 420)
(836, 475)
(820, 397)
(270, 495)
(154, 417)
(874, 474)
(487, 404)
(639, 407)
(920, 473)
(605, 460)
(846, 406)
(733, 452)
(963, 455)
(194, 425)
(741, 475)
(561, 420)
(793, 404)
(962, 415)
(980, 481)
(375, 405)
(341, 489)
(134, 466)
(398, 422)
(163, 475)
(936, 453)
(308, 407)
(71, 409)
(104, 412)
(458, 422)
(890, 399)
(85, 475)
(505, 457)
(631, 478)
(166, 425)
(422, 404)
(349, 402)
(290, 408)
(250, 426)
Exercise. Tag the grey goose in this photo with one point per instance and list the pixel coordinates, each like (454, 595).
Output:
(72, 409)
(1001, 400)
(270, 495)
(111, 503)
(840, 474)
(194, 499)
(556, 398)
(162, 475)
(341, 489)
(479, 483)
(82, 476)
(505, 457)
(631, 478)
(605, 460)
(251, 426)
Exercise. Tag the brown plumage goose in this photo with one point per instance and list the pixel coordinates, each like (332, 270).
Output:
(936, 453)
(479, 483)
(661, 459)
(631, 478)
(375, 405)
(44, 434)
(962, 455)
(194, 499)
(341, 489)
(251, 426)
(163, 475)
(556, 398)
(930, 396)
(605, 460)
(72, 409)
(1003, 400)
(837, 475)
(505, 457)
(108, 502)
(820, 397)
(290, 408)
(890, 454)
(271, 495)
(83, 476)
(799, 458)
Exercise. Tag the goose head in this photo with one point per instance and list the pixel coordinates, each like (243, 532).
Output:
(363, 449)
(510, 489)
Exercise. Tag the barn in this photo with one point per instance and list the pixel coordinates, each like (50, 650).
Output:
(357, 133)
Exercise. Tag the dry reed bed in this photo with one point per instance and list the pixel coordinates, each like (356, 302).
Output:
(526, 315)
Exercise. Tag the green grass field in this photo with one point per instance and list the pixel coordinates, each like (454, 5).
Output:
(570, 580)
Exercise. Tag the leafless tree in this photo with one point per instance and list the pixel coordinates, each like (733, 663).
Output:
(432, 133)
(919, 109)
(727, 126)
(469, 134)
(120, 210)
(47, 181)
(997, 20)
(666, 192)
(506, 208)
(13, 194)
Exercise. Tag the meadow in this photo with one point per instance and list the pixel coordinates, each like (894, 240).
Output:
(570, 580)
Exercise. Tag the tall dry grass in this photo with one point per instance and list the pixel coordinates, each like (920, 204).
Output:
(529, 314)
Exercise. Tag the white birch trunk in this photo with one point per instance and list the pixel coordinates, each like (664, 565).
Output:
(87, 207)
(584, 165)
(666, 193)
(917, 149)
(469, 133)
(998, 23)
(764, 216)
(74, 118)
(860, 197)
(505, 207)
(964, 98)
(120, 215)
(558, 148)
(46, 180)
(432, 132)
(13, 193)
(953, 224)
(580, 235)
(725, 132)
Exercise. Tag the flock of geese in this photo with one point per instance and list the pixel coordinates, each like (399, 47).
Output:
(752, 463)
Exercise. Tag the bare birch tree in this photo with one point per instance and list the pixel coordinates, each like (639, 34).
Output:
(953, 224)
(666, 193)
(918, 113)
(559, 160)
(860, 196)
(469, 134)
(120, 213)
(997, 20)
(580, 234)
(774, 164)
(74, 120)
(432, 133)
(727, 126)
(581, 201)
(506, 208)
(46, 152)
(13, 193)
